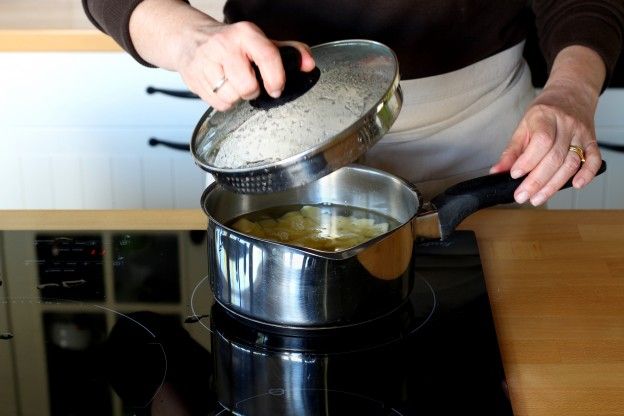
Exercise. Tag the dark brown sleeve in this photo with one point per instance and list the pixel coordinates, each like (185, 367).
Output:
(113, 18)
(597, 24)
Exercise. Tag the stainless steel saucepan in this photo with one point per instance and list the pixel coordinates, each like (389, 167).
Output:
(290, 286)
(269, 153)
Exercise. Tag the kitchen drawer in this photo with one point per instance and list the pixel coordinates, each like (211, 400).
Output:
(114, 168)
(99, 89)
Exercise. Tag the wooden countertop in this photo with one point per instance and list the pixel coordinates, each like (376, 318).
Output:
(555, 281)
(61, 25)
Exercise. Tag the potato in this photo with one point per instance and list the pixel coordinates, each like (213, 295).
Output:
(248, 227)
(314, 227)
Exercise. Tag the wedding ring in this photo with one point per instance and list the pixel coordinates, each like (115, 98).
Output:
(220, 83)
(579, 151)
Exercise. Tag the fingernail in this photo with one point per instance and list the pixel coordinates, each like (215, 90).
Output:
(538, 199)
(580, 182)
(516, 173)
(522, 197)
(275, 93)
(492, 170)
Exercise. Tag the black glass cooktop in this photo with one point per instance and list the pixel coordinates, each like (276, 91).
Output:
(123, 323)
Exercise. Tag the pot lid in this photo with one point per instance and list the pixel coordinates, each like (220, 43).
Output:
(324, 120)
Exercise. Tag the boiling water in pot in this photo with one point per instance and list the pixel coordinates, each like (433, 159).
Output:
(324, 227)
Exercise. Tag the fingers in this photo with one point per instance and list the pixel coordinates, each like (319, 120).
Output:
(266, 56)
(514, 149)
(539, 149)
(307, 61)
(542, 133)
(593, 160)
(229, 51)
(546, 158)
(204, 83)
(570, 166)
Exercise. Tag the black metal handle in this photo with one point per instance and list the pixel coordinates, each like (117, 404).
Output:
(297, 81)
(612, 147)
(173, 93)
(465, 198)
(153, 141)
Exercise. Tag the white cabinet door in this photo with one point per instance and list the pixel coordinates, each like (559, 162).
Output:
(89, 90)
(75, 128)
(112, 168)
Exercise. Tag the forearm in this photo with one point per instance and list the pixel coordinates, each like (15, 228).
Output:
(579, 68)
(161, 29)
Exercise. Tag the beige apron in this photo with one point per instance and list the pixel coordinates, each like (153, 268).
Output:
(454, 126)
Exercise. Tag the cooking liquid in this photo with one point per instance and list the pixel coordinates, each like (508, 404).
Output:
(324, 227)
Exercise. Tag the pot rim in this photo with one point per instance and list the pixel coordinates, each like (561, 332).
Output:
(332, 255)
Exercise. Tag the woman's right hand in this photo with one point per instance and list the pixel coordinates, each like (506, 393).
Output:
(225, 52)
(173, 35)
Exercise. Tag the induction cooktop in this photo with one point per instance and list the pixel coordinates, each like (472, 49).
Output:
(123, 323)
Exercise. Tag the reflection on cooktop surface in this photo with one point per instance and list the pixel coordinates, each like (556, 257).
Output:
(123, 323)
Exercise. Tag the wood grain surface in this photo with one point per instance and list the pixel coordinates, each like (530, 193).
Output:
(556, 284)
(555, 281)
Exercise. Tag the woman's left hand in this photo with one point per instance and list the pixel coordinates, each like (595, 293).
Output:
(561, 116)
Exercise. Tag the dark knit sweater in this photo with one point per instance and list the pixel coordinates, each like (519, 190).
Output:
(429, 37)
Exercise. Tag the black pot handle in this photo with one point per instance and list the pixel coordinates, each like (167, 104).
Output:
(153, 141)
(465, 198)
(613, 147)
(173, 93)
(297, 81)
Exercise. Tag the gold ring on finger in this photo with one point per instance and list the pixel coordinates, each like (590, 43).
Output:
(579, 151)
(219, 84)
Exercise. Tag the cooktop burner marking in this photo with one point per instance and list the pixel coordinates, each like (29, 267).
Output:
(24, 300)
(433, 307)
(222, 410)
(195, 314)
(133, 320)
(61, 301)
(162, 382)
(280, 392)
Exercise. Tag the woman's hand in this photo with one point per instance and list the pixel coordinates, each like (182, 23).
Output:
(562, 115)
(214, 59)
(213, 53)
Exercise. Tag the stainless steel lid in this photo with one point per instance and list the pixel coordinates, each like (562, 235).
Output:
(324, 120)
